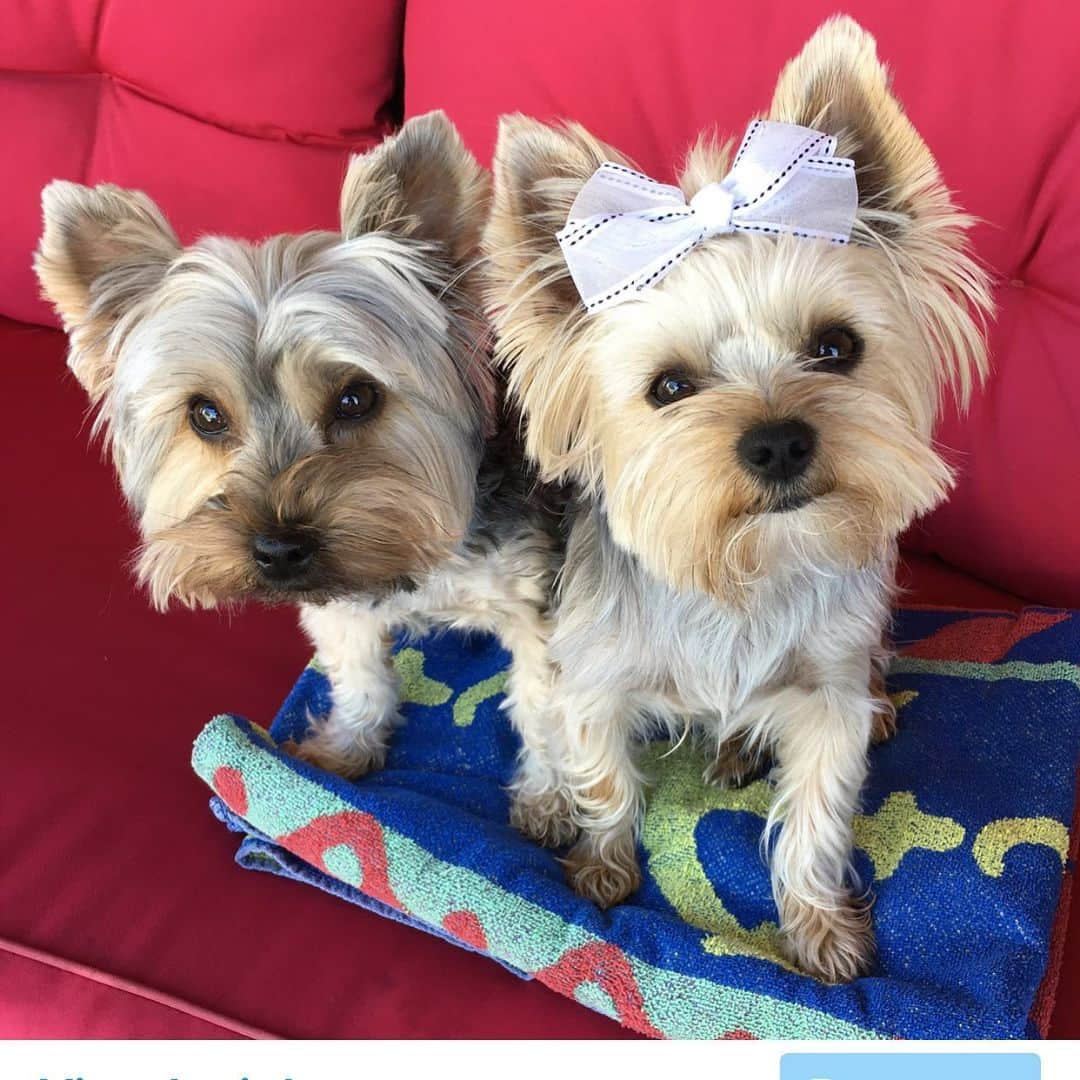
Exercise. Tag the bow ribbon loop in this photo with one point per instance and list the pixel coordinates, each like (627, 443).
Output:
(625, 231)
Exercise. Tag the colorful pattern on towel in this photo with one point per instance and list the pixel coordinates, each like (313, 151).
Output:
(964, 834)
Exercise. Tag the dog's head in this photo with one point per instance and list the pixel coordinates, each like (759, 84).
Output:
(295, 419)
(770, 403)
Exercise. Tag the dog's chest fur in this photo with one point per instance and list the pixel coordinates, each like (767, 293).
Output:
(622, 631)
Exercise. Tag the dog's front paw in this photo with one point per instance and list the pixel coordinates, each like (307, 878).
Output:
(545, 817)
(604, 872)
(833, 944)
(340, 750)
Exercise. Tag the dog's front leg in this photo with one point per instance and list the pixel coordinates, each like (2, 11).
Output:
(541, 806)
(597, 728)
(820, 737)
(352, 644)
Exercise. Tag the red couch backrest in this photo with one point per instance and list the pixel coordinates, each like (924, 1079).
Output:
(236, 116)
(992, 85)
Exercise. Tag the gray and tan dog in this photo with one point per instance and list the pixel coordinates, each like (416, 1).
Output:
(749, 437)
(313, 420)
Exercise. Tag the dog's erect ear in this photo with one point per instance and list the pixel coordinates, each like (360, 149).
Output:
(421, 183)
(539, 170)
(838, 85)
(535, 306)
(101, 250)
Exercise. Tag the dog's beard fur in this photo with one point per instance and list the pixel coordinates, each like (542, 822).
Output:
(714, 530)
(378, 527)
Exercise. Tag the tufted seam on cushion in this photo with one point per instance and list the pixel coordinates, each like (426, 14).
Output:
(265, 132)
(100, 85)
(1054, 164)
(1022, 284)
(1017, 285)
(95, 35)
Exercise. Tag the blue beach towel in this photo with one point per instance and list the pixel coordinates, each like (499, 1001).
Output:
(964, 834)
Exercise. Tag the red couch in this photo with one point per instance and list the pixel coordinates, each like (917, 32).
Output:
(121, 913)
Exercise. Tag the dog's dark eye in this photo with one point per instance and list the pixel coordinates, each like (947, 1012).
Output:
(669, 388)
(836, 350)
(357, 401)
(207, 419)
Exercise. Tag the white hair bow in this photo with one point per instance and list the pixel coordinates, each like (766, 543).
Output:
(626, 231)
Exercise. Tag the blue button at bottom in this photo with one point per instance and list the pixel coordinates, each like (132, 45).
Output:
(899, 1066)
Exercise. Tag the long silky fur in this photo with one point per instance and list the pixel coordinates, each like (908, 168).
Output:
(684, 600)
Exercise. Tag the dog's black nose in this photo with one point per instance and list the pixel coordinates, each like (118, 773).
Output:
(283, 556)
(777, 451)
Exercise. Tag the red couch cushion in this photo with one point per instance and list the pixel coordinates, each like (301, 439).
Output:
(992, 86)
(235, 117)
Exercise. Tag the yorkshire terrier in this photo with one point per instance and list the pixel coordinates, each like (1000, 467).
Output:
(314, 420)
(749, 425)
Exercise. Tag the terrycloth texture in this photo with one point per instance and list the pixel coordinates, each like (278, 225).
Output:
(964, 835)
(259, 852)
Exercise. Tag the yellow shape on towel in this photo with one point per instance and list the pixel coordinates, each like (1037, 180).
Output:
(469, 700)
(999, 837)
(899, 826)
(416, 687)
